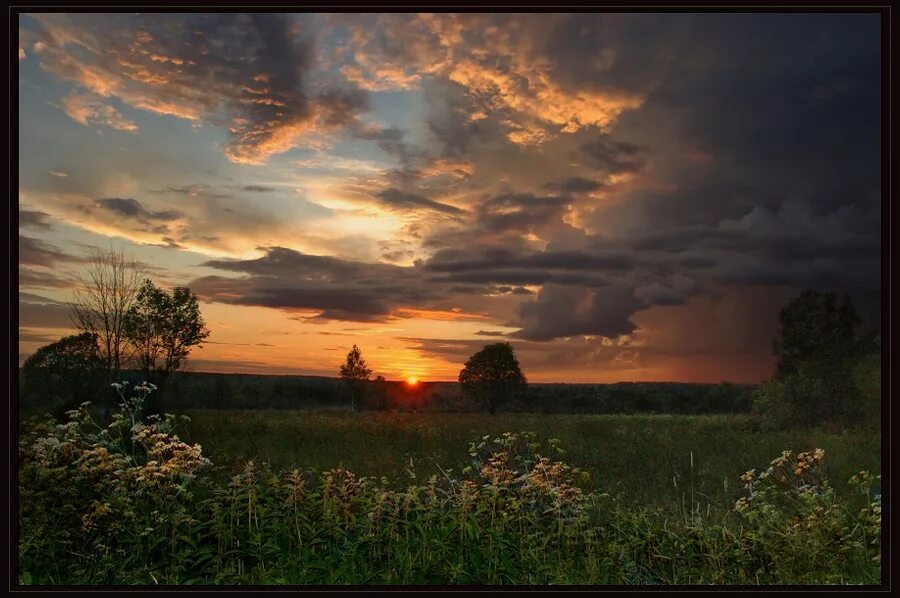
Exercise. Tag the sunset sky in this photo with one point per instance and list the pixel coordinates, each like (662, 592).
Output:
(620, 196)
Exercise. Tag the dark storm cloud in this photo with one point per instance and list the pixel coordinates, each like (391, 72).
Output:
(764, 171)
(490, 258)
(728, 142)
(613, 157)
(574, 185)
(132, 208)
(562, 311)
(340, 289)
(520, 211)
(397, 199)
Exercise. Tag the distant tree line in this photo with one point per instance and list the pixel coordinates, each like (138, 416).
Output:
(199, 390)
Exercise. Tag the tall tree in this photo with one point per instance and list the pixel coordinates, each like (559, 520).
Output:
(100, 304)
(355, 374)
(818, 348)
(815, 327)
(163, 328)
(492, 376)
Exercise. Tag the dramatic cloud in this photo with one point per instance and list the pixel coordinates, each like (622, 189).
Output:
(575, 185)
(500, 62)
(336, 288)
(132, 208)
(613, 157)
(90, 110)
(397, 199)
(595, 188)
(242, 71)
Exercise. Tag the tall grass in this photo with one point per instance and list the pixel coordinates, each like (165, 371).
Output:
(132, 503)
(634, 455)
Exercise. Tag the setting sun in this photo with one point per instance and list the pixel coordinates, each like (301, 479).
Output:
(412, 380)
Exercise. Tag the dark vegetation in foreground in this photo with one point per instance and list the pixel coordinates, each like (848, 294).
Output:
(131, 503)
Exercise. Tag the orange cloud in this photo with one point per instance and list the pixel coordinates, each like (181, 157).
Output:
(90, 110)
(433, 314)
(262, 101)
(498, 67)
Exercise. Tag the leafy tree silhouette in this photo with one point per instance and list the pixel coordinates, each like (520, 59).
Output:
(492, 376)
(355, 374)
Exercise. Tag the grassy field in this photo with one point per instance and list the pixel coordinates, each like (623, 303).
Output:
(135, 504)
(645, 458)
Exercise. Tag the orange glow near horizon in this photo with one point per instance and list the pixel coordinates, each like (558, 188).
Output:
(412, 381)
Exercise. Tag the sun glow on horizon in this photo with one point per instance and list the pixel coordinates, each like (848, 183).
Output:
(412, 381)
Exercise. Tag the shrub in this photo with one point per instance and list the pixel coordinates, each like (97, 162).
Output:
(63, 374)
(118, 493)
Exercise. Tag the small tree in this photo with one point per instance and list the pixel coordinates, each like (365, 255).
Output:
(163, 328)
(101, 303)
(355, 375)
(492, 376)
(65, 373)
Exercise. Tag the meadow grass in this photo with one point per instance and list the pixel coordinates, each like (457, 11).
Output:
(329, 498)
(645, 458)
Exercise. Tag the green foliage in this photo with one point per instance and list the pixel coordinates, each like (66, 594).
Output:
(197, 390)
(819, 351)
(163, 328)
(814, 327)
(131, 503)
(63, 374)
(867, 377)
(792, 510)
(492, 376)
(355, 375)
(96, 501)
